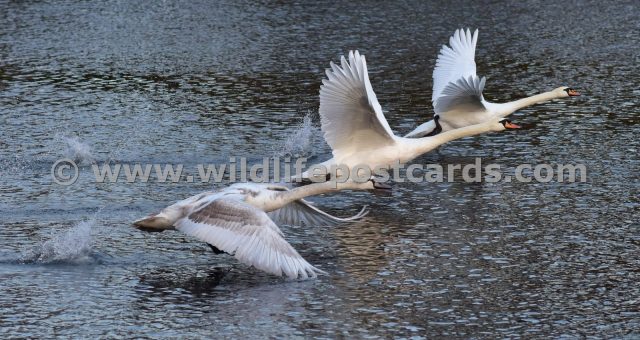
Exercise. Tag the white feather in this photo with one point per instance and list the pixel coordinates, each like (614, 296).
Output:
(464, 94)
(234, 220)
(302, 212)
(349, 110)
(457, 90)
(246, 232)
(455, 62)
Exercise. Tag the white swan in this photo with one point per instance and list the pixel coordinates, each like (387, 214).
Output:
(355, 127)
(457, 90)
(239, 220)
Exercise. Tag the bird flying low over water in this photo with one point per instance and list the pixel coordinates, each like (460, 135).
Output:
(241, 220)
(355, 128)
(457, 90)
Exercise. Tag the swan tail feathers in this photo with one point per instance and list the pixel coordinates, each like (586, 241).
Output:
(154, 223)
(422, 130)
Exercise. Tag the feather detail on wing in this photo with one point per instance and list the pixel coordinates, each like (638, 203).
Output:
(350, 114)
(302, 212)
(465, 94)
(455, 62)
(249, 234)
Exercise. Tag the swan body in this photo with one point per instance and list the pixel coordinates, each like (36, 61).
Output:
(355, 128)
(241, 220)
(457, 90)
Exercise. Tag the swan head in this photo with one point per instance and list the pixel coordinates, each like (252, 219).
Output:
(566, 91)
(506, 124)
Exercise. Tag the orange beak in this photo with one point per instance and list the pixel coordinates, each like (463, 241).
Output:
(512, 126)
(573, 93)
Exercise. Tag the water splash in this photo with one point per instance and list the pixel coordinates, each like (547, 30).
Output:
(21, 165)
(76, 150)
(300, 142)
(69, 246)
(14, 165)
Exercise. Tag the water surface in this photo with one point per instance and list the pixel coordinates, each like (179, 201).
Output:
(196, 82)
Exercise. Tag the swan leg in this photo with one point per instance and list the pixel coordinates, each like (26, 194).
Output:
(306, 181)
(215, 249)
(383, 189)
(150, 230)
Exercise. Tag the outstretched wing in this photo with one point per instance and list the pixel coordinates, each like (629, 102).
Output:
(302, 212)
(350, 114)
(246, 232)
(463, 95)
(455, 62)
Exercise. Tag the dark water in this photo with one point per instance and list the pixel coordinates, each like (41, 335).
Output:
(196, 82)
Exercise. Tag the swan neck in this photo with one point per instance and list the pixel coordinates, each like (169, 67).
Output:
(515, 105)
(427, 144)
(313, 189)
(307, 190)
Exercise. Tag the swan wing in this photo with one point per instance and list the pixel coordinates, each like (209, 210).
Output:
(463, 95)
(455, 61)
(249, 235)
(302, 212)
(350, 114)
